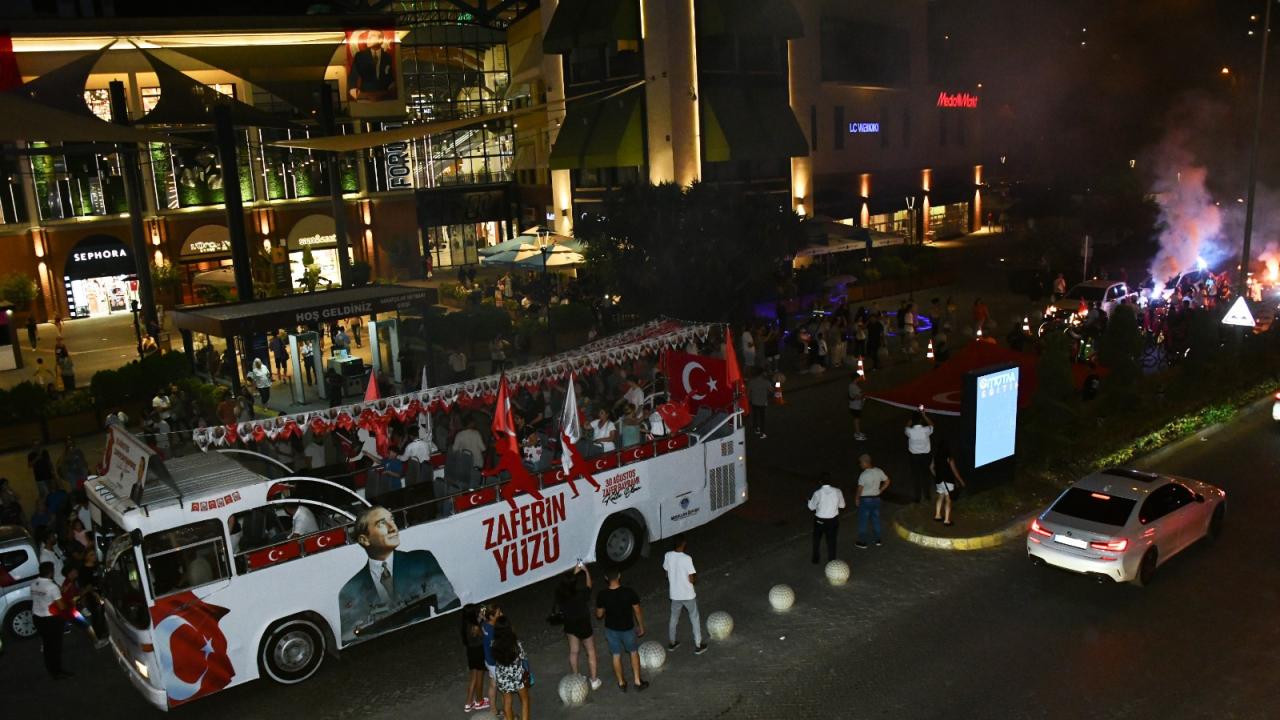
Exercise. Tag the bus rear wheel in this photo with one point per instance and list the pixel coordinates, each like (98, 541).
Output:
(619, 542)
(292, 650)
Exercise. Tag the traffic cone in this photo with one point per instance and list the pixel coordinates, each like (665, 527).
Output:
(861, 371)
(777, 390)
(929, 353)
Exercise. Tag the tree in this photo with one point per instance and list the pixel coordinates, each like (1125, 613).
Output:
(19, 290)
(1120, 351)
(1055, 406)
(702, 253)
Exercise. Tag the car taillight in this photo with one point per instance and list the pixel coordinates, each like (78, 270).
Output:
(1112, 546)
(1278, 396)
(1038, 529)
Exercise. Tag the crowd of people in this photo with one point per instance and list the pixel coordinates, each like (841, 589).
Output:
(494, 652)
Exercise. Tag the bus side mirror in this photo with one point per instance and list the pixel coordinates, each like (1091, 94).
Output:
(135, 537)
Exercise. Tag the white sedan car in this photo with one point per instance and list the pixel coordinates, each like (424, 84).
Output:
(1121, 524)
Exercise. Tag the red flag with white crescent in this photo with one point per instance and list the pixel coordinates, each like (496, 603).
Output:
(332, 538)
(571, 460)
(504, 428)
(508, 450)
(287, 550)
(190, 646)
(701, 380)
(733, 374)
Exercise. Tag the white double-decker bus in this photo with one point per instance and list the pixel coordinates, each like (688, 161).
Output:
(207, 587)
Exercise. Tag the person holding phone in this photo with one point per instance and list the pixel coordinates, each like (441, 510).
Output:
(920, 450)
(573, 600)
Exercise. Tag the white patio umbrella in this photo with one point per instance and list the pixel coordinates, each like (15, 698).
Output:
(557, 256)
(511, 255)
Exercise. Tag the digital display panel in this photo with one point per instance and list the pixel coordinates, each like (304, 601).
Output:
(996, 416)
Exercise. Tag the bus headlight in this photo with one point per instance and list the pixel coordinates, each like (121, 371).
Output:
(142, 669)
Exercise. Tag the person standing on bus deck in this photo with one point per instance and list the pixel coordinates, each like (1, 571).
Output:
(304, 521)
(391, 579)
(46, 606)
(826, 504)
(758, 395)
(623, 624)
(681, 577)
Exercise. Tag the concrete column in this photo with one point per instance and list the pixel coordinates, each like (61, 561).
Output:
(553, 76)
(803, 74)
(657, 92)
(671, 100)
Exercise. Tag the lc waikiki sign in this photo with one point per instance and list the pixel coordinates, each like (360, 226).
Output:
(957, 100)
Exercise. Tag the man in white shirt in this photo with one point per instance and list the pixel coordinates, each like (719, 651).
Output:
(46, 598)
(826, 505)
(871, 485)
(304, 521)
(634, 394)
(681, 577)
(919, 428)
(469, 439)
(160, 403)
(417, 449)
(51, 553)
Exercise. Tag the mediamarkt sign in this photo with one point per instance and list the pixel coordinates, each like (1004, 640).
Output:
(957, 100)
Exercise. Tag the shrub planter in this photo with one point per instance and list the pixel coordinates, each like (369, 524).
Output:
(82, 423)
(21, 436)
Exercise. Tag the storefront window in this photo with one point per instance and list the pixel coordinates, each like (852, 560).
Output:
(459, 244)
(288, 173)
(77, 183)
(13, 207)
(190, 175)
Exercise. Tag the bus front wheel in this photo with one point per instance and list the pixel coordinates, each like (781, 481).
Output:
(619, 542)
(292, 650)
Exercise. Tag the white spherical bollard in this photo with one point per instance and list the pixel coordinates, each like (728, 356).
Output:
(782, 597)
(719, 625)
(837, 572)
(652, 655)
(574, 690)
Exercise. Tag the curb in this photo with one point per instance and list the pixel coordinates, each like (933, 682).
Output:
(1015, 529)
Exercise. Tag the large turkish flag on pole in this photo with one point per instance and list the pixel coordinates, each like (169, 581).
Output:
(702, 381)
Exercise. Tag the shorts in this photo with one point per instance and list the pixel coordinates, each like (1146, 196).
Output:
(945, 488)
(475, 657)
(579, 628)
(621, 641)
(855, 412)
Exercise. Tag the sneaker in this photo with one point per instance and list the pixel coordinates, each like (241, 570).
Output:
(698, 650)
(860, 545)
(481, 705)
(468, 708)
(672, 647)
(596, 683)
(879, 544)
(860, 437)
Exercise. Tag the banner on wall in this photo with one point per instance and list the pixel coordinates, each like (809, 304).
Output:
(373, 73)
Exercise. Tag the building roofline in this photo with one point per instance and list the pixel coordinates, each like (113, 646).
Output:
(54, 27)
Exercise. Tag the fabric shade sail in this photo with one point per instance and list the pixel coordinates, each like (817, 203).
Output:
(749, 18)
(63, 88)
(25, 119)
(184, 101)
(742, 122)
(291, 72)
(584, 23)
(942, 390)
(602, 133)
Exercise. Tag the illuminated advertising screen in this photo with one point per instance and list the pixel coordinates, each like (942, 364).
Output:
(995, 415)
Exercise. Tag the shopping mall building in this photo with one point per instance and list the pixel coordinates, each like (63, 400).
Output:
(536, 110)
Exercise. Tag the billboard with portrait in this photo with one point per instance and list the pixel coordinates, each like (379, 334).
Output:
(373, 72)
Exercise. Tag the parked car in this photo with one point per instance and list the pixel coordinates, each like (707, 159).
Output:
(21, 564)
(1121, 524)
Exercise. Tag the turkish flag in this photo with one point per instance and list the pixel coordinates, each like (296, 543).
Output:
(672, 442)
(483, 496)
(703, 381)
(504, 428)
(287, 550)
(675, 415)
(186, 632)
(733, 375)
(336, 537)
(636, 453)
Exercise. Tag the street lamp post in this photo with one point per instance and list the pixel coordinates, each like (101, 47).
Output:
(1243, 281)
(546, 284)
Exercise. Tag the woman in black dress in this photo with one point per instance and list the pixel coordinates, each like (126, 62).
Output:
(573, 599)
(473, 641)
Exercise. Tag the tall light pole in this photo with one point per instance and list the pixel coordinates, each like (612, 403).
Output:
(1243, 282)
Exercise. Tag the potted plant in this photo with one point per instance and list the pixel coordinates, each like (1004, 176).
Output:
(20, 291)
(167, 282)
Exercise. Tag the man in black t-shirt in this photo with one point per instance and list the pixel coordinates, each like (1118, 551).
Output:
(623, 624)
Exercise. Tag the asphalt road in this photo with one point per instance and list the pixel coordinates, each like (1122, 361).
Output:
(916, 634)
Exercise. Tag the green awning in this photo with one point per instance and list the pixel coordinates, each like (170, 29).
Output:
(601, 133)
(744, 123)
(587, 23)
(750, 18)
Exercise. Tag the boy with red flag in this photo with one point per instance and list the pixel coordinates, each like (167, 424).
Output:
(508, 450)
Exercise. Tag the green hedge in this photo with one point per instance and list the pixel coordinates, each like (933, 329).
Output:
(139, 380)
